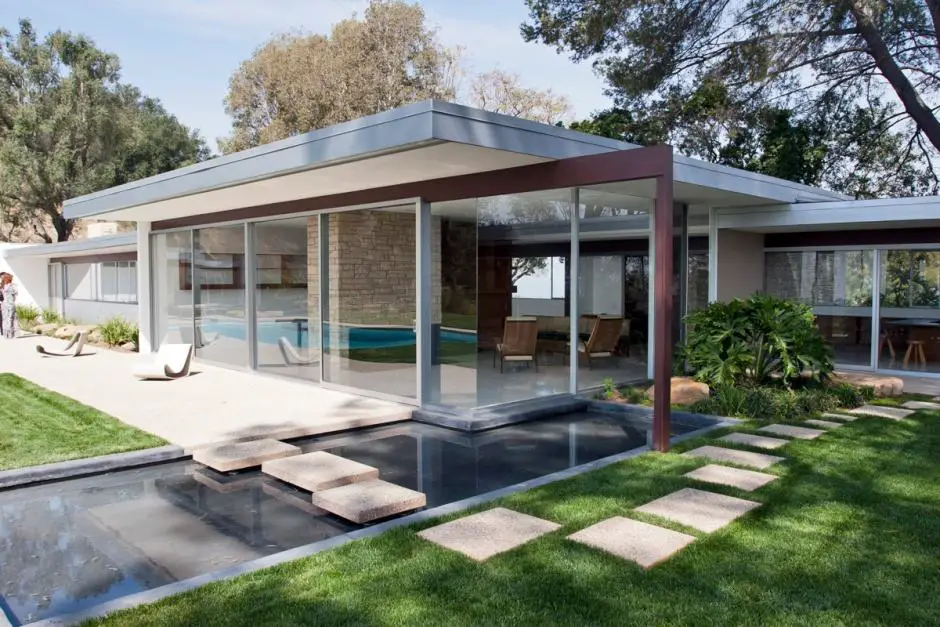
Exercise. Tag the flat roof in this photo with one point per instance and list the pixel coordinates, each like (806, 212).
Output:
(105, 243)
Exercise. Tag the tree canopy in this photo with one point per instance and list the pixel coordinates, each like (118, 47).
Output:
(68, 127)
(503, 92)
(872, 67)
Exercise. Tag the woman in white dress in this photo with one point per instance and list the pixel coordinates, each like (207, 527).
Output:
(8, 306)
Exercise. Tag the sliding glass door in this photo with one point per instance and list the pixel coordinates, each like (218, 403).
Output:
(218, 289)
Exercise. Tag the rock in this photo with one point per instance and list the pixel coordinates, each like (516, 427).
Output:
(129, 346)
(66, 331)
(684, 391)
(45, 329)
(883, 386)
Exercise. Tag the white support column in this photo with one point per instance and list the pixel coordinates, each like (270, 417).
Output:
(144, 289)
(875, 309)
(712, 254)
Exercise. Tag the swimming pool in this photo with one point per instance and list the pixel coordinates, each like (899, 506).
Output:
(349, 337)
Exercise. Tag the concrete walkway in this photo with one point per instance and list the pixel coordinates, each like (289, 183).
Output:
(214, 405)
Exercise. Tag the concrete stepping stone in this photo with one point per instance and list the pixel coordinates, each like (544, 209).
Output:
(880, 411)
(920, 405)
(842, 417)
(318, 471)
(733, 456)
(224, 484)
(699, 509)
(825, 424)
(632, 540)
(757, 441)
(747, 480)
(241, 455)
(481, 536)
(792, 431)
(368, 500)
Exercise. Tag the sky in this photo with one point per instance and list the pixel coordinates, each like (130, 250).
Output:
(184, 51)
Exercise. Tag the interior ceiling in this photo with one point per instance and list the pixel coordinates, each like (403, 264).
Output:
(418, 164)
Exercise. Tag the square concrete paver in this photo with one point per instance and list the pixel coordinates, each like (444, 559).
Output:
(319, 471)
(368, 500)
(699, 509)
(639, 542)
(920, 405)
(800, 433)
(481, 536)
(891, 413)
(824, 424)
(747, 480)
(842, 417)
(757, 441)
(241, 455)
(732, 456)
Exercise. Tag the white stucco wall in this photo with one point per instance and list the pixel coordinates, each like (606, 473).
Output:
(95, 312)
(30, 274)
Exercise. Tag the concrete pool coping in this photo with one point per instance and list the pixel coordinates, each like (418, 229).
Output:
(162, 592)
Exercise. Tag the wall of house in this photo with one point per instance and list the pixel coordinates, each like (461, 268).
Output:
(96, 312)
(30, 274)
(740, 264)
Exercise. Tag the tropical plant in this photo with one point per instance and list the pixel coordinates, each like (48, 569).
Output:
(27, 315)
(118, 331)
(755, 341)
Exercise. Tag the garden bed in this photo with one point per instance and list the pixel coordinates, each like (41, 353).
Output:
(117, 333)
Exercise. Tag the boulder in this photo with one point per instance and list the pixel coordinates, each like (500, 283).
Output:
(66, 331)
(883, 386)
(45, 329)
(129, 346)
(684, 391)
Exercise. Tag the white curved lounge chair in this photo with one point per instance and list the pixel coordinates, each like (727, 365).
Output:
(172, 361)
(72, 349)
(292, 357)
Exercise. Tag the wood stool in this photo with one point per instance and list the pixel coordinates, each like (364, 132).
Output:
(881, 347)
(915, 348)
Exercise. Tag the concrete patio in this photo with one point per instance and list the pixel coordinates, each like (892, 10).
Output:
(214, 405)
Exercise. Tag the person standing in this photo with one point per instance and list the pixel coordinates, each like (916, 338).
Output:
(8, 305)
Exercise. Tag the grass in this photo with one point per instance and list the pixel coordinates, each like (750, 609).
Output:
(40, 427)
(451, 353)
(849, 535)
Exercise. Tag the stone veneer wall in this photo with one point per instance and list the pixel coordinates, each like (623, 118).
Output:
(372, 268)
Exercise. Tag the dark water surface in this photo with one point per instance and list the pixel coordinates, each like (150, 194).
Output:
(70, 545)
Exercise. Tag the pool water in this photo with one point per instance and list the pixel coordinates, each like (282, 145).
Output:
(350, 337)
(70, 545)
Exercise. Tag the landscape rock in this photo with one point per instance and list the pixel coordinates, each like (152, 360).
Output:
(45, 329)
(66, 331)
(683, 391)
(883, 386)
(129, 346)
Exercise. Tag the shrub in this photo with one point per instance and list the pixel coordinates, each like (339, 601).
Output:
(754, 342)
(774, 403)
(27, 316)
(118, 331)
(51, 316)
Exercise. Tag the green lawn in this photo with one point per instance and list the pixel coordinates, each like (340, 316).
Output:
(849, 535)
(40, 427)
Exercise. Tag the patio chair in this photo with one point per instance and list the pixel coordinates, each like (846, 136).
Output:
(72, 349)
(603, 340)
(172, 361)
(292, 357)
(519, 342)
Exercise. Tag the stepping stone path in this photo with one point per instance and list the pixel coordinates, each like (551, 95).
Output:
(242, 455)
(825, 424)
(842, 417)
(757, 441)
(368, 500)
(224, 484)
(879, 411)
(639, 542)
(705, 511)
(489, 533)
(920, 405)
(801, 433)
(747, 480)
(732, 456)
(319, 471)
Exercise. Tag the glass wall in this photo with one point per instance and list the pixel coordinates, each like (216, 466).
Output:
(910, 310)
(287, 297)
(218, 288)
(171, 274)
(838, 285)
(369, 339)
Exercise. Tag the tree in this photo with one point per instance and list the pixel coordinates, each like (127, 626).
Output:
(68, 127)
(501, 92)
(801, 55)
(300, 82)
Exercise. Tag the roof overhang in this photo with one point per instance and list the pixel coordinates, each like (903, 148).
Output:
(105, 245)
(839, 215)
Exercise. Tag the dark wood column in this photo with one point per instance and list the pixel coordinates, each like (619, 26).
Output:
(662, 309)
